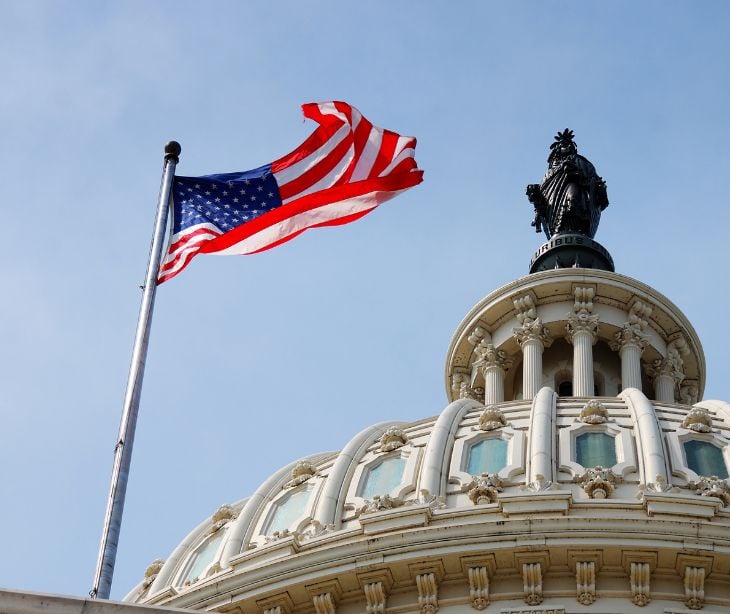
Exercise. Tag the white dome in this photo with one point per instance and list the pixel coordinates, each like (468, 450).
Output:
(552, 499)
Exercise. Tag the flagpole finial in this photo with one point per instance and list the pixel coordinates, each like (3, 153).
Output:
(172, 151)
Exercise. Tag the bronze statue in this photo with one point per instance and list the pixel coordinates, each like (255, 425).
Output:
(571, 196)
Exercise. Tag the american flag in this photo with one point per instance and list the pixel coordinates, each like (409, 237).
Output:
(345, 169)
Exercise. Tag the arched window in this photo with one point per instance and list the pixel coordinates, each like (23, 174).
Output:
(202, 557)
(705, 458)
(287, 511)
(487, 456)
(565, 388)
(595, 449)
(382, 478)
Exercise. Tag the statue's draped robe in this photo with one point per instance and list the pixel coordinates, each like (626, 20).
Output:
(575, 196)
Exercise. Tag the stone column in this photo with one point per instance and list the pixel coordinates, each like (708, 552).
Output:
(630, 365)
(582, 328)
(493, 363)
(630, 343)
(533, 338)
(667, 372)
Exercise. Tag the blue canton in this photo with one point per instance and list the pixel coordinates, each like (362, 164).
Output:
(225, 201)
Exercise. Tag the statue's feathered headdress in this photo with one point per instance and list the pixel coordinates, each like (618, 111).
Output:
(563, 139)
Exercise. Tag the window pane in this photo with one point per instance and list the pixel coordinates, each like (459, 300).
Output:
(383, 478)
(288, 511)
(705, 459)
(204, 556)
(487, 456)
(595, 449)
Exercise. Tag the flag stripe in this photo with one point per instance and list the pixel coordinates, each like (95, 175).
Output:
(342, 171)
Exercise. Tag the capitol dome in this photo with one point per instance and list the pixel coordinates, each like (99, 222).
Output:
(575, 468)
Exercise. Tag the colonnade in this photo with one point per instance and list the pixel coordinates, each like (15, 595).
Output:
(582, 332)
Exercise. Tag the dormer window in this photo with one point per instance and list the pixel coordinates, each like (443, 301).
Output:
(705, 458)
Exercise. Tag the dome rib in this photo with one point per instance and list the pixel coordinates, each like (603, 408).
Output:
(338, 480)
(436, 458)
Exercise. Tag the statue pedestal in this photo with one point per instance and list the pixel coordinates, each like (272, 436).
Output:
(571, 250)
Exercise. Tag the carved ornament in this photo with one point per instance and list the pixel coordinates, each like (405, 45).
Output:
(483, 488)
(477, 335)
(479, 587)
(530, 325)
(593, 413)
(489, 356)
(151, 572)
(712, 487)
(460, 385)
(630, 334)
(393, 438)
(694, 587)
(302, 471)
(585, 576)
(223, 515)
(689, 393)
(491, 419)
(378, 504)
(698, 419)
(427, 593)
(375, 597)
(532, 580)
(639, 577)
(598, 483)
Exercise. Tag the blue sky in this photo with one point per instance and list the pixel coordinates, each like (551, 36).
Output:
(255, 361)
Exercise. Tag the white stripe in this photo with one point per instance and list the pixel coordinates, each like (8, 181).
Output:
(329, 179)
(299, 168)
(408, 152)
(190, 229)
(193, 242)
(302, 221)
(369, 153)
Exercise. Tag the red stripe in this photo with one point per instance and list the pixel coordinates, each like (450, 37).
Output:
(187, 237)
(391, 183)
(328, 125)
(360, 138)
(319, 170)
(385, 154)
(165, 276)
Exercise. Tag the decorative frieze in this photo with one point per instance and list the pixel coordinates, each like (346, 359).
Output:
(302, 471)
(585, 576)
(532, 582)
(639, 577)
(698, 419)
(393, 438)
(694, 587)
(479, 587)
(324, 604)
(483, 488)
(492, 418)
(427, 592)
(598, 483)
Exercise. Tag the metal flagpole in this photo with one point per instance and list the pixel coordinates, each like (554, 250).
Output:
(125, 441)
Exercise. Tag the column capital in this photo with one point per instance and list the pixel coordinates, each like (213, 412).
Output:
(533, 330)
(582, 322)
(582, 319)
(672, 364)
(630, 334)
(489, 356)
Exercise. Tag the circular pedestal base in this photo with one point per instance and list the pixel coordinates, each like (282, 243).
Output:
(566, 251)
